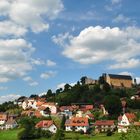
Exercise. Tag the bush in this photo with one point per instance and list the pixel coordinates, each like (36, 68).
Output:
(109, 133)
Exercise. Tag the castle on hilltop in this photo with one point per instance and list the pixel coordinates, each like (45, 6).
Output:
(118, 81)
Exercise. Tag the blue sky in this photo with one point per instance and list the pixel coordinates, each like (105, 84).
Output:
(46, 43)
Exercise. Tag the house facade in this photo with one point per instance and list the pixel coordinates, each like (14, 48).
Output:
(104, 125)
(52, 106)
(47, 125)
(11, 124)
(77, 124)
(125, 121)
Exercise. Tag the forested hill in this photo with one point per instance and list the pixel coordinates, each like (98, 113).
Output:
(95, 94)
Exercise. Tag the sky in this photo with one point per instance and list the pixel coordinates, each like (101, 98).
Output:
(47, 43)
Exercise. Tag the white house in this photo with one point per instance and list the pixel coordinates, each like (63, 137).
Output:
(125, 121)
(28, 103)
(10, 124)
(77, 124)
(66, 110)
(47, 125)
(51, 106)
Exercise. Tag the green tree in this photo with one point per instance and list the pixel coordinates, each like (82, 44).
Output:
(113, 105)
(49, 93)
(82, 80)
(63, 122)
(67, 87)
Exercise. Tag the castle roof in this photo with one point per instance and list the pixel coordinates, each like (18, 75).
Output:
(115, 76)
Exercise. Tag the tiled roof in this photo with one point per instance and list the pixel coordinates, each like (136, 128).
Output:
(39, 103)
(44, 124)
(41, 108)
(104, 122)
(3, 116)
(49, 103)
(137, 123)
(89, 107)
(77, 121)
(131, 116)
(38, 114)
(62, 108)
(115, 76)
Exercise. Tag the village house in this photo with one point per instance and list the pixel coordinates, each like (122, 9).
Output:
(44, 111)
(52, 106)
(137, 124)
(66, 110)
(3, 118)
(20, 101)
(47, 125)
(29, 103)
(118, 81)
(125, 121)
(77, 124)
(104, 125)
(11, 124)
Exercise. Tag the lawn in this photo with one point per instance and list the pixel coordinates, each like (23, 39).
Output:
(73, 136)
(9, 134)
(12, 135)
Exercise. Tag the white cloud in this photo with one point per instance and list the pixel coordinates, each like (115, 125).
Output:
(41, 94)
(33, 83)
(61, 39)
(138, 80)
(31, 13)
(50, 63)
(3, 88)
(30, 81)
(40, 62)
(121, 18)
(15, 58)
(4, 7)
(115, 1)
(27, 79)
(126, 73)
(10, 97)
(48, 75)
(98, 44)
(114, 4)
(8, 28)
(17, 18)
(61, 85)
(132, 63)
(37, 62)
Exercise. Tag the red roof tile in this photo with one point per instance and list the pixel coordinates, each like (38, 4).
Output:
(104, 122)
(62, 108)
(44, 124)
(137, 123)
(131, 116)
(3, 116)
(77, 121)
(37, 114)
